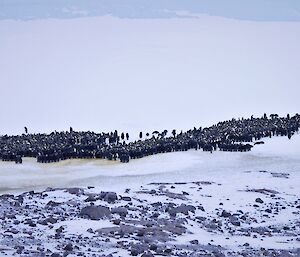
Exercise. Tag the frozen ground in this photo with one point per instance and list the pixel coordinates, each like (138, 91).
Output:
(277, 155)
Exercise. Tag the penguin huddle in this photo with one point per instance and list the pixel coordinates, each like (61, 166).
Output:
(235, 135)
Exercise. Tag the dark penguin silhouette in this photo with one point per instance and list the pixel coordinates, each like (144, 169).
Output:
(26, 130)
(174, 132)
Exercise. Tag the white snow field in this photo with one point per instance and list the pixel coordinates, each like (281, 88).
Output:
(277, 155)
(107, 73)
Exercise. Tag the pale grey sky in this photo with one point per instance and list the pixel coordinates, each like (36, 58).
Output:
(255, 10)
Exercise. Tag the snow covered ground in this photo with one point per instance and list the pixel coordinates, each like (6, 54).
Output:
(277, 155)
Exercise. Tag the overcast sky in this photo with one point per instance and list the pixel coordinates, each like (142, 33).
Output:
(255, 10)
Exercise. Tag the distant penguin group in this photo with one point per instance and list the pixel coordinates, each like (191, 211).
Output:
(235, 135)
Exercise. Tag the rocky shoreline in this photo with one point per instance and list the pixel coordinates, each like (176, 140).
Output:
(197, 218)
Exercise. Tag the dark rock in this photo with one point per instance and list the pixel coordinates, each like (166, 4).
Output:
(194, 242)
(122, 211)
(20, 249)
(147, 254)
(52, 204)
(234, 221)
(260, 230)
(59, 230)
(42, 222)
(168, 251)
(259, 200)
(243, 217)
(109, 197)
(141, 232)
(218, 254)
(183, 208)
(126, 198)
(12, 230)
(211, 225)
(95, 212)
(201, 219)
(280, 175)
(51, 220)
(30, 223)
(10, 216)
(16, 222)
(6, 197)
(225, 214)
(75, 191)
(201, 208)
(136, 250)
(68, 247)
(153, 247)
(155, 215)
(116, 222)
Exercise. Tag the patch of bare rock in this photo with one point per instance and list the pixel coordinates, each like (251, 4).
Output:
(159, 219)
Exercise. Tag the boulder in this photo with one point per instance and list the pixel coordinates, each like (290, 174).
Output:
(259, 200)
(109, 197)
(194, 242)
(68, 247)
(95, 212)
(122, 211)
(183, 208)
(75, 191)
(235, 221)
(225, 214)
